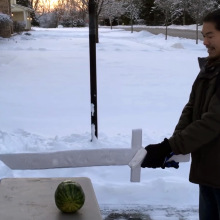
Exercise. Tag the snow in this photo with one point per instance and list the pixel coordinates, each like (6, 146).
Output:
(4, 19)
(143, 82)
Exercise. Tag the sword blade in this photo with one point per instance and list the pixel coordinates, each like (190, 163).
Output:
(67, 159)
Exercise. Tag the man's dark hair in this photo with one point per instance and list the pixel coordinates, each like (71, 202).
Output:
(213, 17)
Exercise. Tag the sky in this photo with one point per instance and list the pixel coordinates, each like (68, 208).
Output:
(143, 82)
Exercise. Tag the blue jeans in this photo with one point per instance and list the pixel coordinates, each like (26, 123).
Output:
(209, 203)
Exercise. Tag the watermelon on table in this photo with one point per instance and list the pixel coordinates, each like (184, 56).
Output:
(69, 196)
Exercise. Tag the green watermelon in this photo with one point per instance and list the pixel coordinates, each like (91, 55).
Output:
(69, 196)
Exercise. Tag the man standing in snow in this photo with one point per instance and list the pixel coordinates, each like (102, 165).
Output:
(198, 129)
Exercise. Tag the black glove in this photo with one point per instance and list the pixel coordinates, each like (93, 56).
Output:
(157, 155)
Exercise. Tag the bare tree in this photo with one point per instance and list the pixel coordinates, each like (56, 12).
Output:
(60, 9)
(113, 9)
(132, 10)
(167, 8)
(198, 9)
(180, 8)
(42, 6)
(100, 4)
(67, 10)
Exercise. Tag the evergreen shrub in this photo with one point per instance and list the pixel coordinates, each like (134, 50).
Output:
(5, 21)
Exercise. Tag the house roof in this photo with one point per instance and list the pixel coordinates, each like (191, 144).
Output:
(20, 8)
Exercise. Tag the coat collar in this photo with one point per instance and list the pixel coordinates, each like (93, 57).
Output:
(208, 71)
(202, 61)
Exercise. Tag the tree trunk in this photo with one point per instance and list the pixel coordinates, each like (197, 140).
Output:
(132, 28)
(184, 17)
(197, 32)
(166, 23)
(197, 23)
(110, 21)
(166, 32)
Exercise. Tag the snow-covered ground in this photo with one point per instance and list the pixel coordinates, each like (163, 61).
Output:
(143, 82)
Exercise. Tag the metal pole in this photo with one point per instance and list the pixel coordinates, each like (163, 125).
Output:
(93, 81)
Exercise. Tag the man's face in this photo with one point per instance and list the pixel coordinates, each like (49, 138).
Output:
(211, 39)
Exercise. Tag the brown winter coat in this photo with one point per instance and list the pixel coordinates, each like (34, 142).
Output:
(198, 129)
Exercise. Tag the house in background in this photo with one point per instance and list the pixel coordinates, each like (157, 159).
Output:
(17, 13)
(20, 13)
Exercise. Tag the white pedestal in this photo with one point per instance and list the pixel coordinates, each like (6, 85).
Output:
(33, 199)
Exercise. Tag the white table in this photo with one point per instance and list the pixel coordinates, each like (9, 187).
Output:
(33, 199)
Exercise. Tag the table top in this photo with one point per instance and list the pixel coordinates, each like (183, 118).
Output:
(33, 199)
